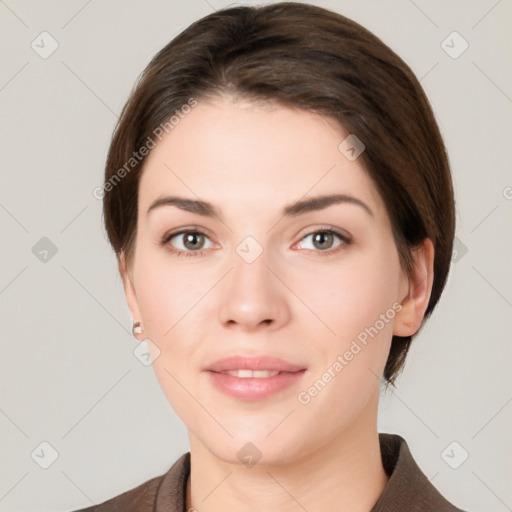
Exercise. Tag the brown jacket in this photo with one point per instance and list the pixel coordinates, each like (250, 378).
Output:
(408, 489)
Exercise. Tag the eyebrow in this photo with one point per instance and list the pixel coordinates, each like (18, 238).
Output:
(206, 209)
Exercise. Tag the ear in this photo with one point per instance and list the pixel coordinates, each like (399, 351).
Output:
(417, 288)
(129, 291)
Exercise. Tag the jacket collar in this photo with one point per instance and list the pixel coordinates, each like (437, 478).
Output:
(408, 489)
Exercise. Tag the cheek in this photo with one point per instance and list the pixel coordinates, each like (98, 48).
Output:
(169, 300)
(166, 293)
(351, 297)
(176, 310)
(358, 301)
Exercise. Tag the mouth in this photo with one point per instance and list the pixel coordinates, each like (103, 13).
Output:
(257, 365)
(252, 374)
(252, 379)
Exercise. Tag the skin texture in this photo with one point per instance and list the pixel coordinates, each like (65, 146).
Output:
(299, 301)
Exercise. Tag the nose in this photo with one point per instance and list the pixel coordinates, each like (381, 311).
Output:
(251, 297)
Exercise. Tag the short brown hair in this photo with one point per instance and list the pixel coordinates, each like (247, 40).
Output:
(302, 56)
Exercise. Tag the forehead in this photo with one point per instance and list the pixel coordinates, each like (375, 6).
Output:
(240, 151)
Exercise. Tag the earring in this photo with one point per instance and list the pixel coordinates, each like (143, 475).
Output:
(136, 328)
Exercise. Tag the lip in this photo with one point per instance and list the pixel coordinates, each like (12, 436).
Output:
(253, 363)
(253, 388)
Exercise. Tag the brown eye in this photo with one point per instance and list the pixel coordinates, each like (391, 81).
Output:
(325, 241)
(188, 243)
(193, 240)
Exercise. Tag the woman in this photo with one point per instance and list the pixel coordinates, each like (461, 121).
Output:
(279, 198)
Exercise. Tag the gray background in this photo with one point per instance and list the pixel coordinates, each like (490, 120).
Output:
(69, 377)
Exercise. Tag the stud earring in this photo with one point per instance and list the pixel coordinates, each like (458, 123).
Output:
(136, 328)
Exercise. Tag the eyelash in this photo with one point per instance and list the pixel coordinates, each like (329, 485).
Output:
(345, 240)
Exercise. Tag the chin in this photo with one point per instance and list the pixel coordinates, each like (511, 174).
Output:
(255, 449)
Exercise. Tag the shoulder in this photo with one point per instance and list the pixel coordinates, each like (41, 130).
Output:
(408, 488)
(164, 492)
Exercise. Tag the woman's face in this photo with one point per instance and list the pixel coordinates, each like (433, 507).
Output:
(318, 286)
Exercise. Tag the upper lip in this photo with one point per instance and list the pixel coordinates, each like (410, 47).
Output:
(253, 363)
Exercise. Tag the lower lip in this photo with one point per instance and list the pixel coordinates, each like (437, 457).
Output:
(254, 388)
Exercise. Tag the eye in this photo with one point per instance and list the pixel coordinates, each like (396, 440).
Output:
(324, 241)
(192, 242)
(187, 242)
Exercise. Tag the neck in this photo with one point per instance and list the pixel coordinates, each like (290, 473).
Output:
(345, 473)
